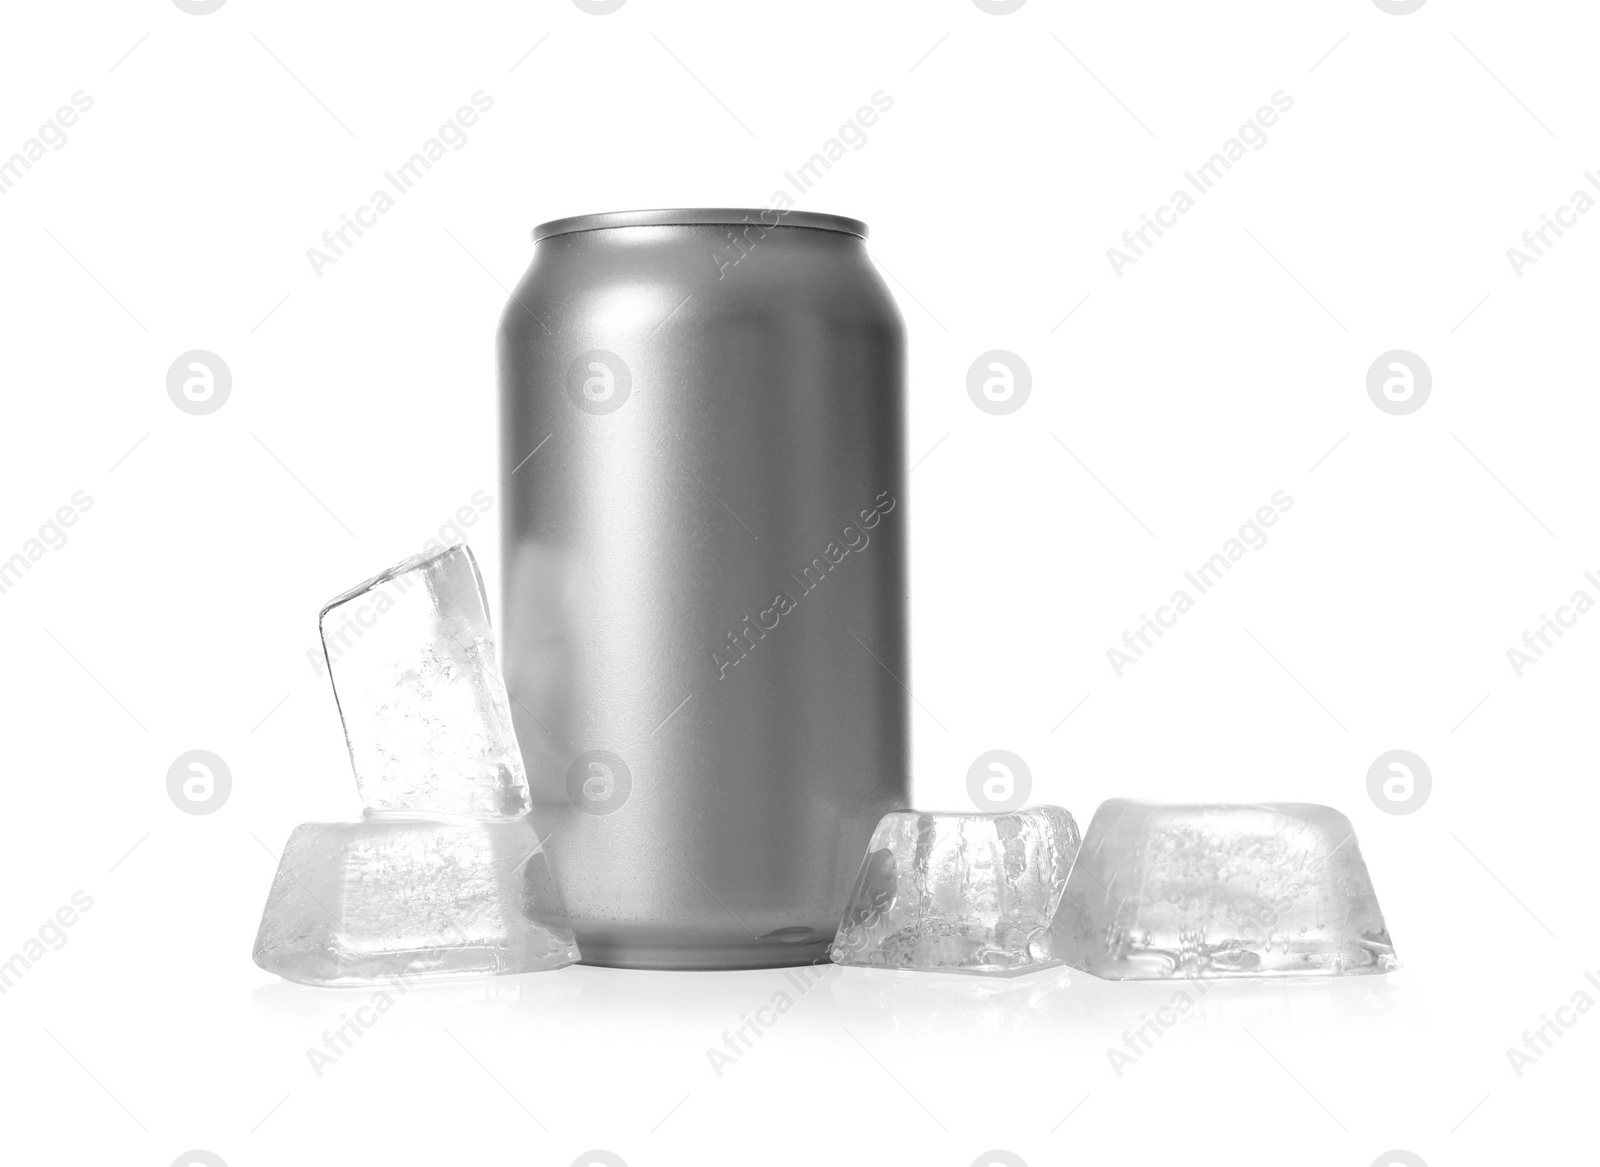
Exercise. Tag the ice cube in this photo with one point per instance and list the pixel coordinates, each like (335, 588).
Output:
(959, 892)
(412, 661)
(1210, 890)
(391, 897)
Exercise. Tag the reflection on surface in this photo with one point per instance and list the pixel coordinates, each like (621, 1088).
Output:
(1057, 1003)
(291, 1002)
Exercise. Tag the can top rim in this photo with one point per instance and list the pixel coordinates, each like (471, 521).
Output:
(699, 216)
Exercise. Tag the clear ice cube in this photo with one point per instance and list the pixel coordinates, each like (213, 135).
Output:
(959, 892)
(390, 897)
(1220, 890)
(426, 719)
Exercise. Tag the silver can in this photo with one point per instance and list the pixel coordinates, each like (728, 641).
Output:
(703, 475)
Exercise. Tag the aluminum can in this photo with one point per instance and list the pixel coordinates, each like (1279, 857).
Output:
(704, 565)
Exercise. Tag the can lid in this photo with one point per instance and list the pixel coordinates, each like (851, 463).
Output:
(695, 216)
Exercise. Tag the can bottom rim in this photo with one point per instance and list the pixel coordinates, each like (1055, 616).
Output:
(641, 956)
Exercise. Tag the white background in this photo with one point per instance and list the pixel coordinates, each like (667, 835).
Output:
(1227, 364)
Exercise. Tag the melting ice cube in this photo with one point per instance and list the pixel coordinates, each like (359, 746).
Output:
(399, 898)
(412, 660)
(1220, 890)
(959, 892)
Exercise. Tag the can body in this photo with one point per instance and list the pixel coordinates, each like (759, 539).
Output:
(704, 617)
